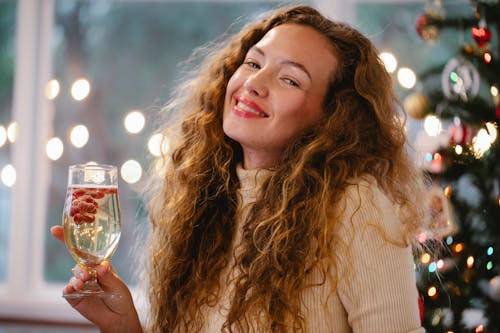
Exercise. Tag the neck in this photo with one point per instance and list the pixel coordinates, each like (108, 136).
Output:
(259, 160)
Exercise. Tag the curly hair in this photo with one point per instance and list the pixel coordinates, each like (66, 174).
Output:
(193, 212)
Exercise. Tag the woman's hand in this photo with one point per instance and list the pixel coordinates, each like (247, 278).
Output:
(110, 314)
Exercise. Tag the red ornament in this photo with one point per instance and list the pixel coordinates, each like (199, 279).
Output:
(498, 111)
(427, 31)
(421, 308)
(461, 134)
(420, 24)
(481, 35)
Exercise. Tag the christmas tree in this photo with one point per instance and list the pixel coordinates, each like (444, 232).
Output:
(458, 272)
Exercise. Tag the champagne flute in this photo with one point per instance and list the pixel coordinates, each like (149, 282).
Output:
(91, 220)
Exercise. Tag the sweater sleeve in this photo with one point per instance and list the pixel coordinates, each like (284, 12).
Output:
(377, 284)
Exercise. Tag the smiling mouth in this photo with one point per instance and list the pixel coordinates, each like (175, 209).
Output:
(243, 107)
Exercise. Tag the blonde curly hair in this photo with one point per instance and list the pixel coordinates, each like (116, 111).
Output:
(193, 211)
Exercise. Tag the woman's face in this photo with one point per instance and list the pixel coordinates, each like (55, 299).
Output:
(277, 92)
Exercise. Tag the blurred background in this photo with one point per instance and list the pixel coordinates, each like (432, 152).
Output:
(84, 80)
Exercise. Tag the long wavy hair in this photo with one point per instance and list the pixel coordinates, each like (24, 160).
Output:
(193, 211)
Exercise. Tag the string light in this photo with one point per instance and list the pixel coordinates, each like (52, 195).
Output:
(432, 125)
(491, 128)
(422, 237)
(80, 89)
(470, 261)
(425, 258)
(54, 148)
(432, 292)
(131, 171)
(480, 329)
(489, 251)
(389, 60)
(158, 144)
(52, 89)
(487, 57)
(494, 91)
(489, 265)
(459, 149)
(449, 240)
(458, 248)
(8, 175)
(406, 77)
(440, 264)
(134, 121)
(12, 131)
(481, 143)
(432, 267)
(79, 136)
(447, 191)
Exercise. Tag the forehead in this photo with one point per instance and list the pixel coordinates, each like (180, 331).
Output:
(300, 43)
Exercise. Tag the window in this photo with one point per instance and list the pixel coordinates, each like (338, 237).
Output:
(7, 126)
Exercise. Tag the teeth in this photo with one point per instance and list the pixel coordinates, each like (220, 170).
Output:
(246, 108)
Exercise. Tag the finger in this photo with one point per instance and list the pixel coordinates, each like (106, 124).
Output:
(68, 289)
(57, 232)
(109, 280)
(80, 272)
(77, 284)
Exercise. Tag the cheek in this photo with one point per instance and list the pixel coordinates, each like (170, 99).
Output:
(233, 84)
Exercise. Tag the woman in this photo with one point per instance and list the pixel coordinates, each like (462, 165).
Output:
(289, 203)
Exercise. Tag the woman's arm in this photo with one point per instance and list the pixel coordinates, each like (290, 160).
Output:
(377, 283)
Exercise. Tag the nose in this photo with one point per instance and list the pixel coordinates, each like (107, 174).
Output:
(257, 83)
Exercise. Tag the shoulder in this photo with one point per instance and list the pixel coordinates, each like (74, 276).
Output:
(366, 207)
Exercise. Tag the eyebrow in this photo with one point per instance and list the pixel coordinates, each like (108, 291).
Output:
(285, 62)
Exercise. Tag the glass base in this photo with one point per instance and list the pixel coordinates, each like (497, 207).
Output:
(92, 293)
(92, 289)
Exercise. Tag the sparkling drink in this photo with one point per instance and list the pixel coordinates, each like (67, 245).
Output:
(91, 221)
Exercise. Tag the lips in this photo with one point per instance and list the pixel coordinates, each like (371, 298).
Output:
(248, 109)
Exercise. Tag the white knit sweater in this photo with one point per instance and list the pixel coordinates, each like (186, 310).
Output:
(377, 293)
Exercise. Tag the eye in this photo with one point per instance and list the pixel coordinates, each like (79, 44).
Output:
(291, 82)
(252, 64)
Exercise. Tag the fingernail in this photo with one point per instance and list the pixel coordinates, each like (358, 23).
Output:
(103, 268)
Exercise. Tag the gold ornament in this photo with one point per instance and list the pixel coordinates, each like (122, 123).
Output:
(416, 105)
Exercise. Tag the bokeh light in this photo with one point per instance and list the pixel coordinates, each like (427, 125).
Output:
(79, 136)
(8, 175)
(52, 89)
(158, 144)
(406, 77)
(131, 171)
(54, 148)
(491, 128)
(12, 131)
(80, 89)
(134, 121)
(432, 125)
(432, 291)
(458, 247)
(470, 261)
(425, 258)
(481, 143)
(3, 135)
(389, 60)
(494, 91)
